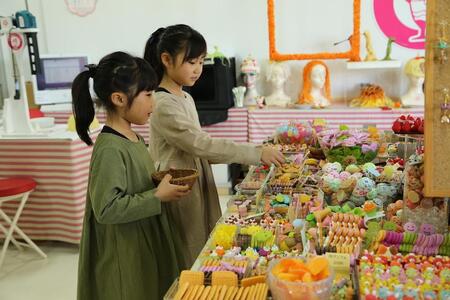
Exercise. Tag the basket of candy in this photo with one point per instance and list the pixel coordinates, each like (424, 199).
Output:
(347, 146)
(179, 176)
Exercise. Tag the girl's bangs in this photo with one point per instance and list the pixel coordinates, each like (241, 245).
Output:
(195, 47)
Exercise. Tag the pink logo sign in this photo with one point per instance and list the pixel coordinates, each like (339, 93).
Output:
(403, 20)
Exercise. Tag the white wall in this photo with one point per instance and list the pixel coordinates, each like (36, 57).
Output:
(238, 27)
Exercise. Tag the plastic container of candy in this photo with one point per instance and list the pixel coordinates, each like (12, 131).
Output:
(293, 290)
(294, 132)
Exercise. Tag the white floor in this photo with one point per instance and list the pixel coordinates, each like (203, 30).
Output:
(25, 276)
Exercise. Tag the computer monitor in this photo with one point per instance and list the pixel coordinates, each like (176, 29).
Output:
(53, 84)
(212, 92)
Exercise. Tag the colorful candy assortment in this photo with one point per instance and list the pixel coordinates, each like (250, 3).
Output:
(373, 216)
(406, 277)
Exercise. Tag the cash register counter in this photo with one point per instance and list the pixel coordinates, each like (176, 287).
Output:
(59, 163)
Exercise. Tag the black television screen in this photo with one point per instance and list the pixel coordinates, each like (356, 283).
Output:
(213, 90)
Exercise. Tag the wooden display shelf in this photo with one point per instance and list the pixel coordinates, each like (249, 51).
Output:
(379, 64)
(19, 30)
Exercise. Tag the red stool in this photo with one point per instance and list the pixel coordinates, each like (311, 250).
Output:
(35, 113)
(10, 189)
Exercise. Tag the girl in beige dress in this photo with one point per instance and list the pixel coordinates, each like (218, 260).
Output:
(177, 53)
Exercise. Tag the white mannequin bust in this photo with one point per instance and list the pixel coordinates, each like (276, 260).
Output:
(277, 75)
(414, 96)
(251, 93)
(318, 77)
(249, 72)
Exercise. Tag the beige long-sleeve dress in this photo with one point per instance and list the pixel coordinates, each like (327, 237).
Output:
(177, 141)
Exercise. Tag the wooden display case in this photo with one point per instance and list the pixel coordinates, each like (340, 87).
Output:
(437, 74)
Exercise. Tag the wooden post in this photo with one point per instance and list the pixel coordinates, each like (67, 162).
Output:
(437, 77)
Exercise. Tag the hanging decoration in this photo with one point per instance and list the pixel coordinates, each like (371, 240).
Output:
(81, 8)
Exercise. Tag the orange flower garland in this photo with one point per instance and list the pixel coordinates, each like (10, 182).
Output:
(355, 40)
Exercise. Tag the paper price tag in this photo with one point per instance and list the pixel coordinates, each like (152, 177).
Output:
(340, 262)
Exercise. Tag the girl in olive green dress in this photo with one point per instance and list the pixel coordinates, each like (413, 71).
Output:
(127, 247)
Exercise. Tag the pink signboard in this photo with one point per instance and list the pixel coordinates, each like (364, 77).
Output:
(403, 20)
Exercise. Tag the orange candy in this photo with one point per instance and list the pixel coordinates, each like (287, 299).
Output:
(286, 263)
(288, 276)
(278, 269)
(322, 275)
(317, 264)
(307, 277)
(292, 269)
(298, 270)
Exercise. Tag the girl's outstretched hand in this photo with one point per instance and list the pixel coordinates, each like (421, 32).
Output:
(271, 156)
(167, 192)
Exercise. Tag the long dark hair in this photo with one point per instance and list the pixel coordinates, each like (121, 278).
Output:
(116, 72)
(174, 40)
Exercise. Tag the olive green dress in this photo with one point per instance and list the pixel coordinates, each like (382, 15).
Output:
(127, 249)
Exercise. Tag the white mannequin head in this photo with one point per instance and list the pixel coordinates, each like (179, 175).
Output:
(416, 81)
(249, 71)
(277, 74)
(318, 76)
(316, 85)
(414, 70)
(249, 79)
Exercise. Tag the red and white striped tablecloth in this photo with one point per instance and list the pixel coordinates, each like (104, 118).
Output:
(234, 128)
(263, 122)
(55, 210)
